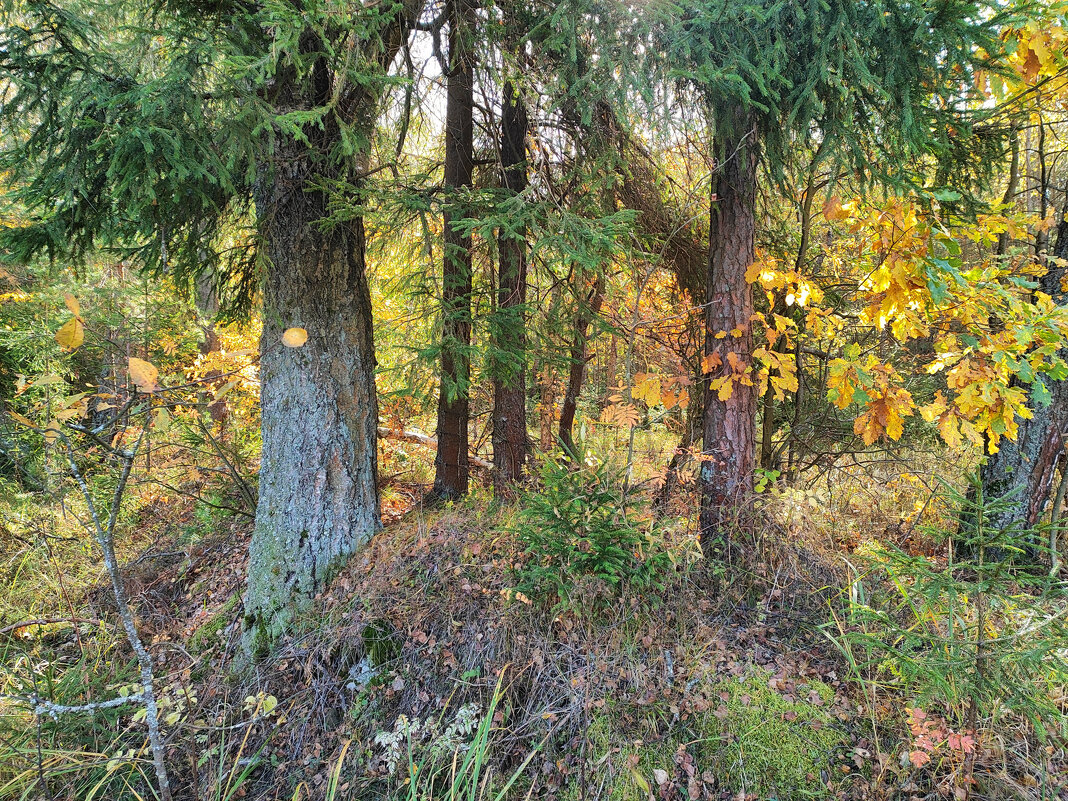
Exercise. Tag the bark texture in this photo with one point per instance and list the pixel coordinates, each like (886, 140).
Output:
(451, 465)
(510, 442)
(729, 425)
(318, 493)
(1027, 467)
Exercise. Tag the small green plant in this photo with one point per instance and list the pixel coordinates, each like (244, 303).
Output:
(582, 526)
(453, 763)
(764, 479)
(977, 636)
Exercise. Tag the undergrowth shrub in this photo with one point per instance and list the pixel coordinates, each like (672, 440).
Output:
(976, 637)
(583, 525)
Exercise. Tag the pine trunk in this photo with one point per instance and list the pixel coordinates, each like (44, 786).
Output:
(730, 424)
(1026, 468)
(451, 465)
(510, 443)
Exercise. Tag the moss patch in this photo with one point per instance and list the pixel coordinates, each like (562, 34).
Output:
(754, 738)
(768, 743)
(618, 768)
(207, 635)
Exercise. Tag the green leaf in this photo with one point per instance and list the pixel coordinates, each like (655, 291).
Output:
(1040, 393)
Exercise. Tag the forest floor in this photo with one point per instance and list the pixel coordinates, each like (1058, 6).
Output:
(721, 684)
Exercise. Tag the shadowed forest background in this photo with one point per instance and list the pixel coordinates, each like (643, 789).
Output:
(491, 400)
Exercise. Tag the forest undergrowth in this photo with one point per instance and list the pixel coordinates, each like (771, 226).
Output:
(436, 660)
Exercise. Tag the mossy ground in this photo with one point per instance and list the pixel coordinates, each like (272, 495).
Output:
(773, 744)
(209, 633)
(759, 741)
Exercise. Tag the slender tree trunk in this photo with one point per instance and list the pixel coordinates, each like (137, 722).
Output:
(589, 308)
(546, 407)
(451, 465)
(611, 364)
(1027, 467)
(510, 443)
(207, 305)
(682, 455)
(730, 424)
(767, 430)
(1011, 186)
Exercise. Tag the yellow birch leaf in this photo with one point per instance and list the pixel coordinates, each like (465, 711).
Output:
(71, 335)
(24, 420)
(73, 305)
(224, 390)
(144, 375)
(51, 431)
(294, 337)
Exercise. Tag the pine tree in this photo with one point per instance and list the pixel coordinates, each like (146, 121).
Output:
(884, 86)
(510, 441)
(451, 465)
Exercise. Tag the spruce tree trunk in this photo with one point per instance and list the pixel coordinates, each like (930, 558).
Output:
(729, 425)
(1027, 466)
(451, 464)
(510, 443)
(318, 493)
(318, 497)
(589, 308)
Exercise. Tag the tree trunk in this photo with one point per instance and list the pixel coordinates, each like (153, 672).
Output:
(589, 307)
(318, 491)
(767, 429)
(546, 407)
(206, 302)
(730, 424)
(1027, 466)
(510, 444)
(691, 436)
(451, 465)
(318, 498)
